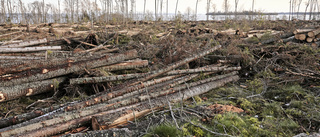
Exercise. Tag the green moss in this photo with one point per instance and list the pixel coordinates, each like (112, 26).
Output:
(253, 40)
(164, 130)
(255, 85)
(237, 125)
(246, 105)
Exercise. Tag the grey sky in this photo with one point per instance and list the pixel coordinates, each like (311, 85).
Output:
(260, 5)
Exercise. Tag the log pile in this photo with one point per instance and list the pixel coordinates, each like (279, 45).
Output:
(40, 67)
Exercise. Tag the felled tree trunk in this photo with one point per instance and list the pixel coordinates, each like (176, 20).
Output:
(47, 72)
(25, 44)
(67, 121)
(28, 89)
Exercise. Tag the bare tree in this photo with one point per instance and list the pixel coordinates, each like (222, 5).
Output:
(3, 10)
(144, 8)
(208, 8)
(236, 2)
(176, 8)
(196, 9)
(188, 13)
(298, 5)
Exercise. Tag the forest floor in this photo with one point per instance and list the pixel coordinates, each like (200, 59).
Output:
(277, 94)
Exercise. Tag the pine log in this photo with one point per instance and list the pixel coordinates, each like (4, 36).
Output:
(276, 37)
(287, 39)
(299, 31)
(70, 120)
(314, 32)
(29, 49)
(175, 65)
(20, 58)
(25, 44)
(47, 72)
(28, 89)
(310, 39)
(103, 122)
(8, 34)
(104, 79)
(301, 37)
(97, 48)
(131, 64)
(139, 75)
(116, 132)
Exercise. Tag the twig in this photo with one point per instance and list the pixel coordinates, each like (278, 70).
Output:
(174, 119)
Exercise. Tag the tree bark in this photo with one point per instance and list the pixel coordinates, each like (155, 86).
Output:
(26, 43)
(67, 121)
(28, 89)
(29, 49)
(46, 72)
(175, 65)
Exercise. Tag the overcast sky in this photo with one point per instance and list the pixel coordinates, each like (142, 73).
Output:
(260, 5)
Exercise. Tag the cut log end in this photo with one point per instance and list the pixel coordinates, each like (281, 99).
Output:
(30, 92)
(2, 97)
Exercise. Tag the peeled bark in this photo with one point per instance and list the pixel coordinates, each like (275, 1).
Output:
(28, 89)
(47, 72)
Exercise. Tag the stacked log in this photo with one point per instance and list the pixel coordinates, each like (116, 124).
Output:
(146, 93)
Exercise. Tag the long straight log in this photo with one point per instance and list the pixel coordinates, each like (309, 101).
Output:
(175, 65)
(116, 132)
(297, 31)
(25, 44)
(131, 64)
(139, 75)
(20, 58)
(29, 49)
(28, 89)
(70, 107)
(47, 72)
(68, 121)
(8, 34)
(104, 79)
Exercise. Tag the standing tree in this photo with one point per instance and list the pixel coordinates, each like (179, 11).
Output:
(226, 7)
(208, 8)
(236, 2)
(188, 13)
(196, 9)
(144, 9)
(176, 8)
